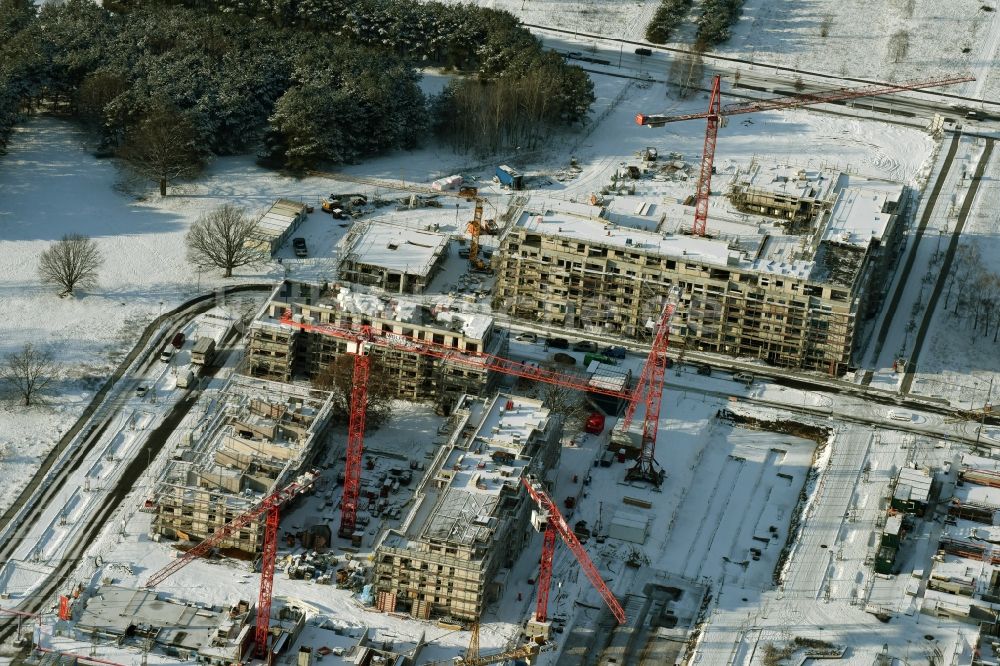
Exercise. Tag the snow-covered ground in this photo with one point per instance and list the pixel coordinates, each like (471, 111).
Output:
(957, 362)
(789, 34)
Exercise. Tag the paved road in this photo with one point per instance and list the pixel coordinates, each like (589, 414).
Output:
(614, 50)
(810, 571)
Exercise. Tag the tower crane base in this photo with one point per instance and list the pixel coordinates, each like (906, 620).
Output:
(535, 629)
(648, 472)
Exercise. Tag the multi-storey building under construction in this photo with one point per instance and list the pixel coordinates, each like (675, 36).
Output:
(789, 294)
(470, 517)
(281, 351)
(254, 439)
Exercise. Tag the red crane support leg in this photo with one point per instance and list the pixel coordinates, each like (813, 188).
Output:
(707, 159)
(545, 573)
(267, 579)
(355, 442)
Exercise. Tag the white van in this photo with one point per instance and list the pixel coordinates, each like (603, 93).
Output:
(167, 354)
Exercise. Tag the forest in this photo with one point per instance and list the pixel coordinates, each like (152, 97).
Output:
(300, 83)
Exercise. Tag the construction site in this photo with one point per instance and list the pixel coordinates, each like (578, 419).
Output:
(791, 291)
(562, 415)
(469, 519)
(257, 436)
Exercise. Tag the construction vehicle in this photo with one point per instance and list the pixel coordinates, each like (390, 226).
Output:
(269, 509)
(717, 114)
(551, 523)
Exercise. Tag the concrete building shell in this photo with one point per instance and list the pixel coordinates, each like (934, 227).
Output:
(280, 351)
(397, 259)
(256, 438)
(793, 300)
(470, 517)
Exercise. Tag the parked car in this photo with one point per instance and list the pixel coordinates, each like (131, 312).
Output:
(643, 51)
(299, 245)
(705, 370)
(141, 390)
(563, 359)
(167, 354)
(558, 343)
(585, 346)
(178, 340)
(743, 378)
(615, 352)
(526, 337)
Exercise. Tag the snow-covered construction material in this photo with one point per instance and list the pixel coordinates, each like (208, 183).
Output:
(277, 224)
(470, 515)
(439, 321)
(447, 183)
(395, 258)
(629, 526)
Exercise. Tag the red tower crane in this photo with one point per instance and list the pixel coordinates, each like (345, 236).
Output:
(554, 523)
(268, 507)
(649, 391)
(717, 114)
(360, 338)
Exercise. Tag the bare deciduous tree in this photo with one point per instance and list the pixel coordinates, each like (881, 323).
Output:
(338, 378)
(70, 263)
(162, 147)
(224, 238)
(567, 403)
(898, 46)
(28, 371)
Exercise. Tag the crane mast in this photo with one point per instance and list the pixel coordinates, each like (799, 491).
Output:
(269, 507)
(649, 391)
(716, 115)
(556, 524)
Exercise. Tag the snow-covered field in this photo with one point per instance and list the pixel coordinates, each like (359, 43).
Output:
(944, 37)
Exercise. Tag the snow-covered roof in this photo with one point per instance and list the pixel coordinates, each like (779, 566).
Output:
(913, 485)
(475, 476)
(281, 215)
(114, 609)
(555, 221)
(471, 324)
(787, 181)
(635, 212)
(971, 493)
(862, 211)
(396, 248)
(778, 256)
